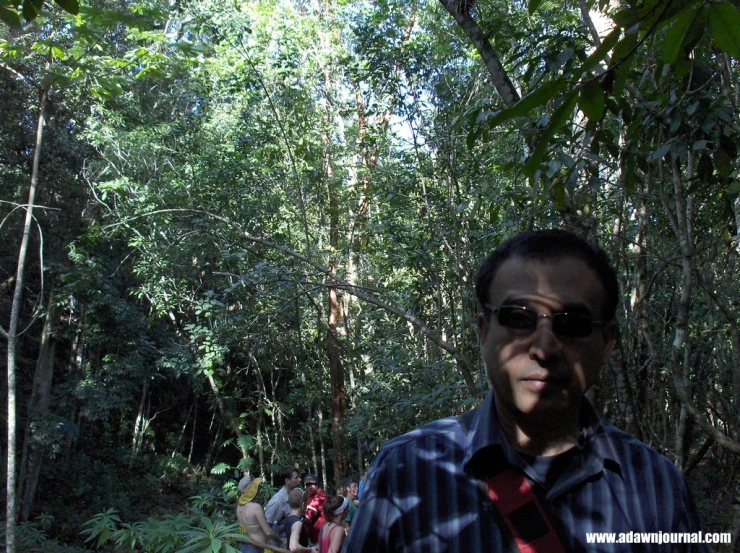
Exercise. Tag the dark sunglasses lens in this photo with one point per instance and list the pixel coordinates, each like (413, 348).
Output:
(572, 324)
(517, 318)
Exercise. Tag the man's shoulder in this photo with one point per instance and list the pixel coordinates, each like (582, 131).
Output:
(280, 495)
(447, 431)
(638, 454)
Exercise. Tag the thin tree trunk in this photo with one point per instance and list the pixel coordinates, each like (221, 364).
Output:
(681, 351)
(140, 425)
(11, 335)
(309, 422)
(225, 413)
(322, 447)
(38, 408)
(260, 446)
(181, 437)
(192, 436)
(333, 347)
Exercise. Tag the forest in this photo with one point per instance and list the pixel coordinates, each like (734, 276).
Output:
(242, 234)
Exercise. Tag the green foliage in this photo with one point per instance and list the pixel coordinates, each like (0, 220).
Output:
(11, 10)
(155, 535)
(210, 157)
(101, 528)
(33, 536)
(168, 534)
(211, 537)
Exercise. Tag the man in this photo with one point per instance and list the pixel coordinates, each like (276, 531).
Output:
(533, 468)
(278, 507)
(314, 517)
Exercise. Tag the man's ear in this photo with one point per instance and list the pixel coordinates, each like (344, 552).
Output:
(482, 327)
(610, 336)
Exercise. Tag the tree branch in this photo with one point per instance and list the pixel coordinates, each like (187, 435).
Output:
(500, 78)
(356, 291)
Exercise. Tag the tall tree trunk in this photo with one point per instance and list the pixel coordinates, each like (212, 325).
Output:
(681, 351)
(335, 320)
(11, 335)
(322, 449)
(181, 437)
(38, 408)
(192, 436)
(140, 425)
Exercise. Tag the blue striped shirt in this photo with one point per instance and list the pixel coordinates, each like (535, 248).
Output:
(424, 490)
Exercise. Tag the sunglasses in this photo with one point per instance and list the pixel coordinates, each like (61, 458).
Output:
(518, 317)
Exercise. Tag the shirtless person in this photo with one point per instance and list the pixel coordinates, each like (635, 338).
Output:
(252, 517)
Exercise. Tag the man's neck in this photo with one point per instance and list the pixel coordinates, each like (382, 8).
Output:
(542, 436)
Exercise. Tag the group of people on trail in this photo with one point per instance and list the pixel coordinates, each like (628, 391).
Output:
(533, 468)
(302, 521)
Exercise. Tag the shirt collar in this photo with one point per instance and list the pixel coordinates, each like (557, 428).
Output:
(484, 431)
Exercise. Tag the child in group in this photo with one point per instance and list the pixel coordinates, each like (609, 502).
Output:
(293, 525)
(333, 532)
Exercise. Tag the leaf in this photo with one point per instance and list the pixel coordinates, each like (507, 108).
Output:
(535, 98)
(10, 17)
(30, 10)
(245, 442)
(622, 59)
(600, 53)
(724, 28)
(558, 119)
(661, 152)
(674, 38)
(734, 187)
(723, 163)
(69, 6)
(221, 468)
(534, 5)
(699, 145)
(591, 101)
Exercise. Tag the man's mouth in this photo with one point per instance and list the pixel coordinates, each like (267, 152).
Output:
(541, 382)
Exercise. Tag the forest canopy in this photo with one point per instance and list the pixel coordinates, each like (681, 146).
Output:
(243, 234)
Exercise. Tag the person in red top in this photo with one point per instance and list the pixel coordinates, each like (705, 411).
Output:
(333, 533)
(314, 519)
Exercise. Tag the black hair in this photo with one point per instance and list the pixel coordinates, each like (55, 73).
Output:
(349, 482)
(550, 244)
(286, 473)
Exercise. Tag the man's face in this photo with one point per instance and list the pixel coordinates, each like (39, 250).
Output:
(352, 492)
(538, 374)
(311, 488)
(294, 481)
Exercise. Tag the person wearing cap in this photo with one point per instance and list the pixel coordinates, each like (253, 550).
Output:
(333, 532)
(252, 517)
(313, 519)
(533, 467)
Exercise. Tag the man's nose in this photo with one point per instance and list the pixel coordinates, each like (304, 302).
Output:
(544, 342)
